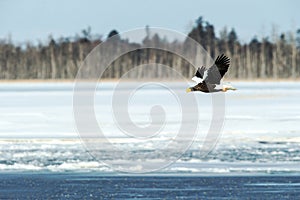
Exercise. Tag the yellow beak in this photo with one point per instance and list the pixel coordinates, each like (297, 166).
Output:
(188, 90)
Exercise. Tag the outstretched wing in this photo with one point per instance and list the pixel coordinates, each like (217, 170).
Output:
(200, 72)
(216, 72)
(199, 75)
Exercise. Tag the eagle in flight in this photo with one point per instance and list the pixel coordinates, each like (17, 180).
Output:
(208, 79)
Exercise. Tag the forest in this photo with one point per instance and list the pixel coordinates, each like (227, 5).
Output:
(276, 56)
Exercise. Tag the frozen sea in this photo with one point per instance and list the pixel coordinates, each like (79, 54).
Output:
(260, 137)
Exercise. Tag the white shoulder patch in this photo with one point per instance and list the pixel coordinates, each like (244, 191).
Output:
(197, 79)
(205, 74)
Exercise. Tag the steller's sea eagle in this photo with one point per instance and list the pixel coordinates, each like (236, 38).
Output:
(208, 79)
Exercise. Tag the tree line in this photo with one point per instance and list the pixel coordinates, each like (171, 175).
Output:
(275, 56)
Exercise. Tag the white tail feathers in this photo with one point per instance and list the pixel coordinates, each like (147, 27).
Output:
(228, 87)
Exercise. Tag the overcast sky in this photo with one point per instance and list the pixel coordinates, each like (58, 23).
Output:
(36, 19)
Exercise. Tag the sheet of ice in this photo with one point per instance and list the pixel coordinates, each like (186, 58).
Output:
(259, 109)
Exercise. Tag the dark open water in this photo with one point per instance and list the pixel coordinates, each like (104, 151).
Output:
(95, 186)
